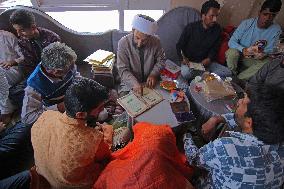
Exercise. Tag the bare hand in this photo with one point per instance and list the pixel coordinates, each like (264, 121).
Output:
(107, 131)
(259, 56)
(151, 82)
(185, 61)
(206, 61)
(138, 89)
(2, 126)
(250, 51)
(209, 127)
(8, 64)
(61, 107)
(245, 52)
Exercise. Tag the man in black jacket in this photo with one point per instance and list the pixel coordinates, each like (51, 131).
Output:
(200, 42)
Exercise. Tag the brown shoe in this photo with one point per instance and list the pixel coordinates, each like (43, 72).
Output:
(6, 118)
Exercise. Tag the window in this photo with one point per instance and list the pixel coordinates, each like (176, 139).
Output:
(96, 15)
(90, 21)
(9, 3)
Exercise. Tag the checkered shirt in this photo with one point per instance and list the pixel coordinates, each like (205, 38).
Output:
(230, 120)
(238, 161)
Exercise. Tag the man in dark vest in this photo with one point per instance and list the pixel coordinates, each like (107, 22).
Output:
(31, 40)
(46, 88)
(47, 84)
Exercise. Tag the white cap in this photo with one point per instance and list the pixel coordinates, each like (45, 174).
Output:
(144, 26)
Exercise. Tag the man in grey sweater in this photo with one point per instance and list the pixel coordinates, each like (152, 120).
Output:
(140, 56)
(271, 73)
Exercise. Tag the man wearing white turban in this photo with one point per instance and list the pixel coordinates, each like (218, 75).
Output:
(140, 56)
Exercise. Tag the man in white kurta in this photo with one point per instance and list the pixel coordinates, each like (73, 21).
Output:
(10, 57)
(140, 56)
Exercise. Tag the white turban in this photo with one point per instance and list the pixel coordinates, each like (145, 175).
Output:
(145, 26)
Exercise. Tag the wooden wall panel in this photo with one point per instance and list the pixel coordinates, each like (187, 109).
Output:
(232, 11)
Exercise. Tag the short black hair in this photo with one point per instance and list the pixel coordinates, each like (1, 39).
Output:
(23, 18)
(272, 5)
(266, 108)
(146, 17)
(83, 95)
(209, 4)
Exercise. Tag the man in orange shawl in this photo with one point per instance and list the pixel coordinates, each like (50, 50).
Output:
(151, 160)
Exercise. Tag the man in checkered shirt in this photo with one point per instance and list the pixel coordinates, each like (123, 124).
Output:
(252, 158)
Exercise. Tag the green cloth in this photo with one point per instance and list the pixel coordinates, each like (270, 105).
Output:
(117, 123)
(244, 68)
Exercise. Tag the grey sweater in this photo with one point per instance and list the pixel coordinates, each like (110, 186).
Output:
(131, 68)
(271, 73)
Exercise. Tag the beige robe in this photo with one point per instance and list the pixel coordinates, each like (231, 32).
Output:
(69, 154)
(129, 64)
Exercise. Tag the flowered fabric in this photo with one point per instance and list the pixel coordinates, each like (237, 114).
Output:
(237, 161)
(67, 153)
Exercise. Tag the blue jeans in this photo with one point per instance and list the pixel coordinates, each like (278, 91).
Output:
(216, 68)
(16, 152)
(21, 180)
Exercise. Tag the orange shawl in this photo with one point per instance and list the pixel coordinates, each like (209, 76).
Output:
(151, 160)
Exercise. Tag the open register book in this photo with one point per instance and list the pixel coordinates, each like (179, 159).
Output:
(136, 105)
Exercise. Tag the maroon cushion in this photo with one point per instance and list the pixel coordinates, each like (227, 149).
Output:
(226, 34)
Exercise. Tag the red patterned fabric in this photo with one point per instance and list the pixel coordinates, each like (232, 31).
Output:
(169, 74)
(151, 160)
(226, 35)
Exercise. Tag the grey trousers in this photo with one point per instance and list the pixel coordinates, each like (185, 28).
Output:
(216, 68)
(8, 78)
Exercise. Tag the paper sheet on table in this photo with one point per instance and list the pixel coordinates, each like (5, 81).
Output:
(196, 66)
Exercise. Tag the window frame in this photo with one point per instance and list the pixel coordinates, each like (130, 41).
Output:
(97, 5)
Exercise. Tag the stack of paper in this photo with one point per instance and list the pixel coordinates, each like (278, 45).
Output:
(171, 70)
(196, 66)
(102, 61)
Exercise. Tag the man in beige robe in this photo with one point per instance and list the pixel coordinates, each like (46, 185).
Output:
(140, 56)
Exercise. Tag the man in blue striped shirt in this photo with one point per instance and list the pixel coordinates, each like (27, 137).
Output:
(252, 158)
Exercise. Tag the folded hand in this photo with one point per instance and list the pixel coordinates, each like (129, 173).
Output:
(7, 64)
(206, 61)
(61, 107)
(151, 82)
(138, 89)
(209, 127)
